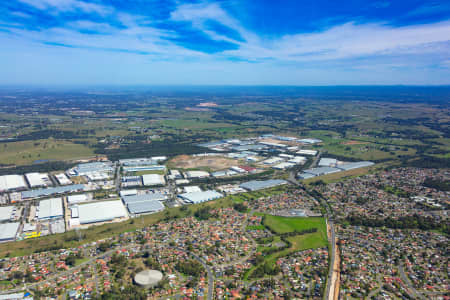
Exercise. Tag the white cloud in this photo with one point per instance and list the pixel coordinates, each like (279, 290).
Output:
(56, 6)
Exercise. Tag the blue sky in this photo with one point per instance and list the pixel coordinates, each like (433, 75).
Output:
(245, 42)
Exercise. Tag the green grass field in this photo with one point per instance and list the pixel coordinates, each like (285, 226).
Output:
(282, 225)
(286, 224)
(21, 153)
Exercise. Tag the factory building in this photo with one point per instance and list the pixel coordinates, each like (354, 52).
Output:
(199, 197)
(8, 231)
(50, 209)
(10, 183)
(322, 171)
(196, 174)
(307, 152)
(355, 165)
(255, 185)
(124, 193)
(144, 198)
(310, 141)
(298, 160)
(62, 179)
(52, 191)
(93, 171)
(192, 189)
(75, 199)
(144, 168)
(103, 211)
(283, 166)
(6, 213)
(146, 207)
(38, 180)
(153, 179)
(328, 162)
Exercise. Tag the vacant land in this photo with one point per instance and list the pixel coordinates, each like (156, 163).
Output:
(283, 225)
(212, 163)
(26, 152)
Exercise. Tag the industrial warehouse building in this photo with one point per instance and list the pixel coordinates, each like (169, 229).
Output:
(328, 162)
(146, 207)
(307, 152)
(52, 191)
(144, 203)
(131, 169)
(199, 197)
(322, 171)
(50, 209)
(62, 179)
(255, 185)
(196, 174)
(38, 180)
(101, 211)
(74, 199)
(310, 173)
(93, 171)
(6, 213)
(12, 183)
(143, 198)
(8, 231)
(153, 179)
(355, 165)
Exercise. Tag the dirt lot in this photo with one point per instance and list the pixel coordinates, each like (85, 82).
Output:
(354, 143)
(212, 163)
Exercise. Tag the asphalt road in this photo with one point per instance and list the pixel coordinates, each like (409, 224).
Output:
(411, 290)
(329, 294)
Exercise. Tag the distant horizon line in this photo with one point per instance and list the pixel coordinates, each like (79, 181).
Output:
(210, 85)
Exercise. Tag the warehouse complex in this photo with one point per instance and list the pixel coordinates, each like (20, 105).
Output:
(331, 165)
(104, 191)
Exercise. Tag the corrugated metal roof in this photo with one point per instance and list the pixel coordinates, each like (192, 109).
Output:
(52, 191)
(264, 184)
(11, 182)
(322, 171)
(6, 212)
(145, 207)
(101, 211)
(8, 231)
(355, 165)
(50, 208)
(198, 197)
(143, 198)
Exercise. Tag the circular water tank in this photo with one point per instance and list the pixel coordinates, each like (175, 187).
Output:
(148, 278)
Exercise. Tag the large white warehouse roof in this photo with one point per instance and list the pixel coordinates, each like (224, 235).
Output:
(8, 231)
(101, 211)
(6, 213)
(199, 197)
(12, 182)
(37, 179)
(50, 209)
(153, 179)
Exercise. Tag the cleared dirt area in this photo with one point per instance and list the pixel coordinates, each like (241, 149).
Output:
(354, 143)
(213, 163)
